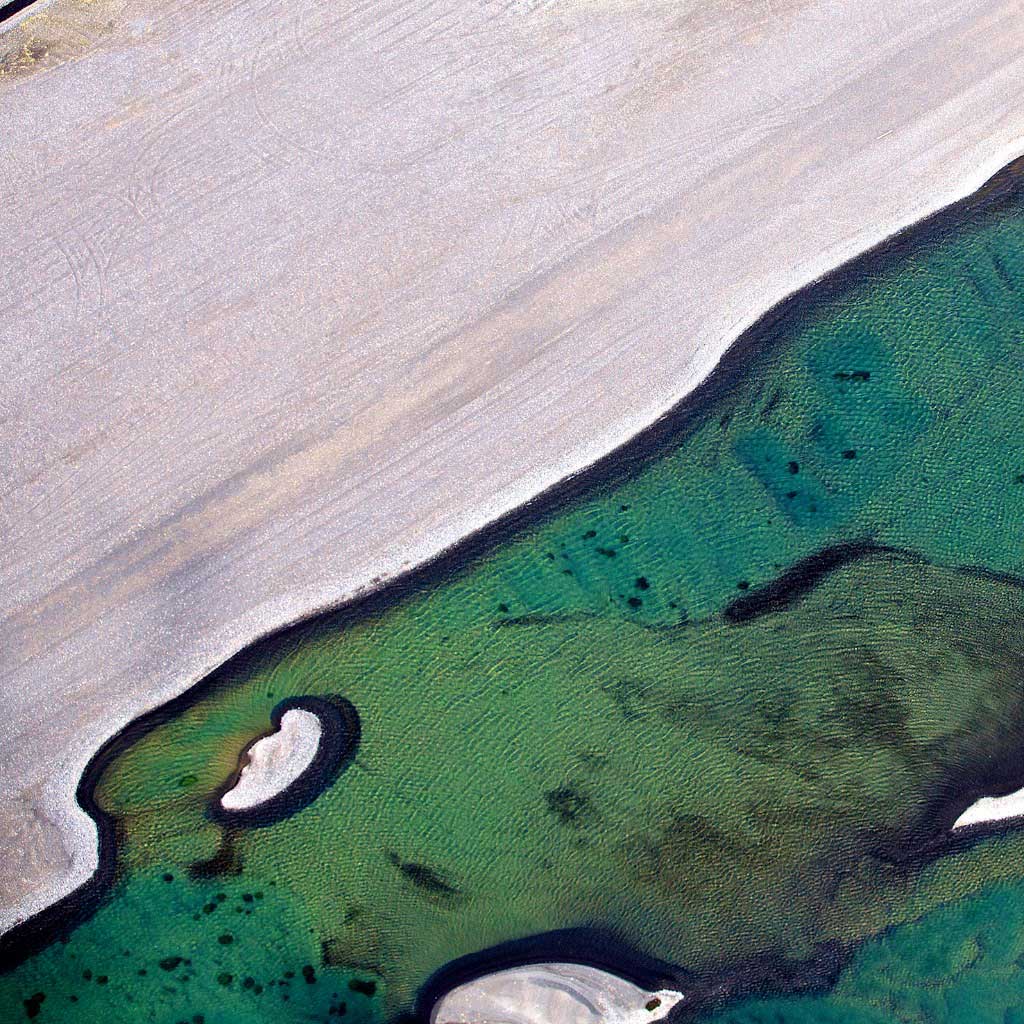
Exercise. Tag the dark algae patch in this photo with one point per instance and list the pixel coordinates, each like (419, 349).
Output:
(423, 877)
(719, 698)
(795, 582)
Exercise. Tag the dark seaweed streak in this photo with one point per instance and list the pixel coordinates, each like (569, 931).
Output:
(798, 580)
(423, 877)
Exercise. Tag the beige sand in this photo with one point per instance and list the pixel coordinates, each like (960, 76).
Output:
(275, 761)
(293, 296)
(552, 994)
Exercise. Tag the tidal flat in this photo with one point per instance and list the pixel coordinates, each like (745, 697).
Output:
(720, 699)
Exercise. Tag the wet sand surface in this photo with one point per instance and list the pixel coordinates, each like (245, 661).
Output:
(296, 297)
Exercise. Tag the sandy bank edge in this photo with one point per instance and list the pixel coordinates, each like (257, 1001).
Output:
(80, 833)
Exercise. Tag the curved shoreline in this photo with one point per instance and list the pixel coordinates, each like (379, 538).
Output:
(937, 166)
(64, 915)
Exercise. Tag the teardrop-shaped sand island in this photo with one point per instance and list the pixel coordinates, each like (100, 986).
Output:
(276, 761)
(285, 770)
(990, 809)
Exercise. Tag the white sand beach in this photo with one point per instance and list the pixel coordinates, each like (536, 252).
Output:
(295, 296)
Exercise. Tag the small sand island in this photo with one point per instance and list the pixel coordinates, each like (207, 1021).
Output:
(313, 739)
(276, 761)
(992, 808)
(553, 993)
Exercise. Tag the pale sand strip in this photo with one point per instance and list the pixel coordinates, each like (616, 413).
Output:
(992, 808)
(275, 761)
(294, 296)
(552, 994)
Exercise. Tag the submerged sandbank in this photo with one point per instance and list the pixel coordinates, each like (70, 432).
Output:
(437, 321)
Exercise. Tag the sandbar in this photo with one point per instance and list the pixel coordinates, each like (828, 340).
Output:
(555, 993)
(274, 762)
(991, 809)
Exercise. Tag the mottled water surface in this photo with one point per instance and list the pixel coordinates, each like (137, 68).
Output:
(722, 701)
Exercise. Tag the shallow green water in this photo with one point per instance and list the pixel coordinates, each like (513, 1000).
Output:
(569, 733)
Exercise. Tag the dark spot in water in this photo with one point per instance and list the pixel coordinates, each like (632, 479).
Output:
(225, 861)
(250, 982)
(226, 939)
(225, 979)
(169, 963)
(1003, 274)
(850, 453)
(642, 583)
(771, 405)
(309, 974)
(101, 979)
(503, 608)
(624, 538)
(568, 805)
(423, 876)
(590, 535)
(793, 467)
(168, 877)
(34, 1004)
(607, 552)
(635, 602)
(858, 376)
(743, 585)
(791, 494)
(247, 897)
(364, 988)
(623, 508)
(87, 974)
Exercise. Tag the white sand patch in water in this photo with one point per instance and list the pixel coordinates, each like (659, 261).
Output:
(276, 761)
(992, 808)
(552, 994)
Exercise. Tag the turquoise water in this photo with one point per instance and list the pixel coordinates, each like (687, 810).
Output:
(569, 729)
